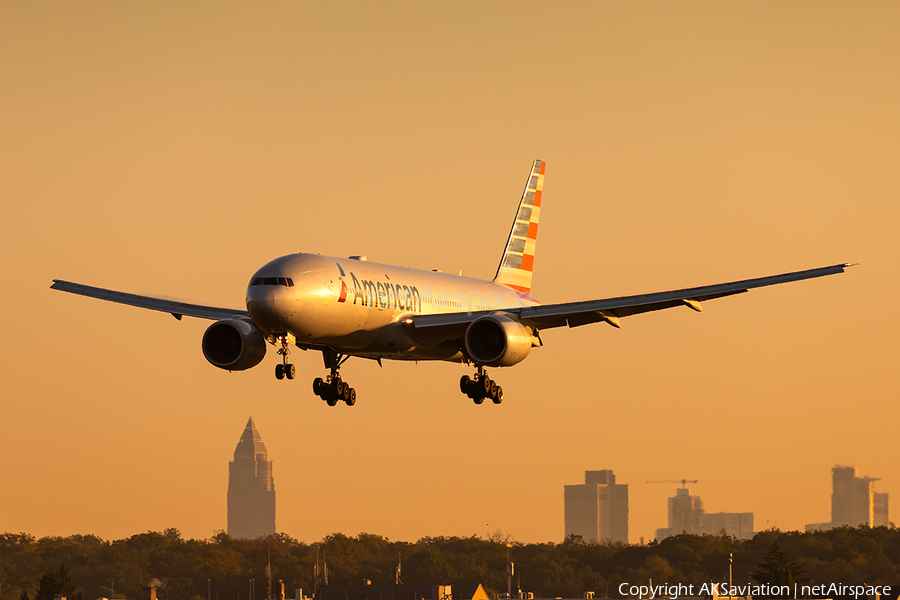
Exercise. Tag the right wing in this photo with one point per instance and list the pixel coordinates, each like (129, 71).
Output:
(175, 308)
(610, 310)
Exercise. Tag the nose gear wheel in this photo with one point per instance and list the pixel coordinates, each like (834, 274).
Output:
(480, 387)
(285, 369)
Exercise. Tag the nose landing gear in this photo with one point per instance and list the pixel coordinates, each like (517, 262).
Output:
(333, 389)
(285, 369)
(481, 387)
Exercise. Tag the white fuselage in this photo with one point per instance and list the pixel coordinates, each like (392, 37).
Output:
(357, 307)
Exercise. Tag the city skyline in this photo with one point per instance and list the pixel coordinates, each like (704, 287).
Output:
(175, 149)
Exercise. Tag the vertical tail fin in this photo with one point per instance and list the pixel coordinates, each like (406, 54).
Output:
(518, 256)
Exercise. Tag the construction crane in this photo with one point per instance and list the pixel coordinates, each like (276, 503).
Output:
(683, 482)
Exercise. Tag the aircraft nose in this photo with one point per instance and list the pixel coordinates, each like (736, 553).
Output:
(262, 309)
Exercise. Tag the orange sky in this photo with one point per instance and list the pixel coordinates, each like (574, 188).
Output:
(174, 148)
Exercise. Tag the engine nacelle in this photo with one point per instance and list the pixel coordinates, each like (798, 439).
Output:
(234, 344)
(498, 341)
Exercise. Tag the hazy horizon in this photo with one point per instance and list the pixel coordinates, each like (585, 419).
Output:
(173, 149)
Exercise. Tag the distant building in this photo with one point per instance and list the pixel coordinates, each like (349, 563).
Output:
(736, 525)
(598, 509)
(686, 515)
(854, 502)
(251, 488)
(851, 497)
(880, 510)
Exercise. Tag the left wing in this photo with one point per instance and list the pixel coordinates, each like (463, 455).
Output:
(175, 308)
(611, 310)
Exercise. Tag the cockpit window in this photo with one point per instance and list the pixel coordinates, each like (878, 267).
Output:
(285, 281)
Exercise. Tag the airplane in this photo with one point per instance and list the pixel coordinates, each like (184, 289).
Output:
(352, 307)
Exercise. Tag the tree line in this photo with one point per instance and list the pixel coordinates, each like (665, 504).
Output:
(222, 568)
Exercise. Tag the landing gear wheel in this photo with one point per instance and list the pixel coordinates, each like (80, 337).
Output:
(498, 397)
(279, 372)
(481, 387)
(333, 389)
(289, 371)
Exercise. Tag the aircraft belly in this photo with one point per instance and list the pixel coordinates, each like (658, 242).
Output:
(431, 353)
(331, 327)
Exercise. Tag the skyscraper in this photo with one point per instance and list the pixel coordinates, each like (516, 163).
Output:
(685, 515)
(598, 509)
(851, 498)
(251, 489)
(854, 501)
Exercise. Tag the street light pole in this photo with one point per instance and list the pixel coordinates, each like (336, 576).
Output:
(730, 563)
(508, 575)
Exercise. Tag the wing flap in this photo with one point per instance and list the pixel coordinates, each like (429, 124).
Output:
(174, 307)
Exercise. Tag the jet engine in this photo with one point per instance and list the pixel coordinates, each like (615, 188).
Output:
(234, 344)
(498, 341)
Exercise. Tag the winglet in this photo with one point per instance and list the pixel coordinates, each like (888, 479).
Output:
(518, 257)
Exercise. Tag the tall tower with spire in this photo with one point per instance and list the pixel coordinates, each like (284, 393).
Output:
(251, 489)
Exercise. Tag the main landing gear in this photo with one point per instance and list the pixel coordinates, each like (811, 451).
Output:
(333, 389)
(285, 369)
(481, 387)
